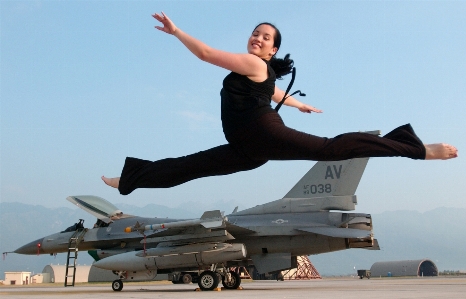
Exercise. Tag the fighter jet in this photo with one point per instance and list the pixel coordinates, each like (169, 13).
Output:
(311, 218)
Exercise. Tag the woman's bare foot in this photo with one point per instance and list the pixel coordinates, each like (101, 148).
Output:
(112, 182)
(440, 151)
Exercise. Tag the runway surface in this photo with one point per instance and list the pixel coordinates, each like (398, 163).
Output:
(347, 288)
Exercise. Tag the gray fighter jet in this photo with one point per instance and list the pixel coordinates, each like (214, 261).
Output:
(311, 218)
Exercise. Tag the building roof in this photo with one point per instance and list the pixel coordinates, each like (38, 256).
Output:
(422, 267)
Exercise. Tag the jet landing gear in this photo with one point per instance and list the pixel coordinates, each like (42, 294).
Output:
(233, 282)
(209, 280)
(184, 278)
(117, 285)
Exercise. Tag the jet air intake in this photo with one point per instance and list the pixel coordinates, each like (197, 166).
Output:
(171, 257)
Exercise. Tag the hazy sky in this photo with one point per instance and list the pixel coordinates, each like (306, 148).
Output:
(86, 83)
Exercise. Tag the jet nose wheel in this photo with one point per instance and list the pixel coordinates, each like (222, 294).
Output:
(117, 285)
(208, 280)
(234, 282)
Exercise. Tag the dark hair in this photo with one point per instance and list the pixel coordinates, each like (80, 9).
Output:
(281, 66)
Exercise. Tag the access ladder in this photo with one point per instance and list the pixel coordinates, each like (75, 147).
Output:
(73, 256)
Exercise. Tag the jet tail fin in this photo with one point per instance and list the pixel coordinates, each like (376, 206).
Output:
(336, 178)
(327, 186)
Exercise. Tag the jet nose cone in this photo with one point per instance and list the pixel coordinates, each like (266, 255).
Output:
(34, 247)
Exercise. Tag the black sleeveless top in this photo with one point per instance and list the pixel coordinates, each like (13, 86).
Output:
(244, 100)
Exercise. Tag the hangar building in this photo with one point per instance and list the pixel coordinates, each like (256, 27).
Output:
(423, 267)
(56, 273)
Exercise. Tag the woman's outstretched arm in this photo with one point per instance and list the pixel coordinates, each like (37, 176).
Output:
(292, 102)
(244, 64)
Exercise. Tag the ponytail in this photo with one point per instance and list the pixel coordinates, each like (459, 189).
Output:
(281, 66)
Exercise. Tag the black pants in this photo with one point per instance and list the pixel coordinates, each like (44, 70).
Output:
(266, 139)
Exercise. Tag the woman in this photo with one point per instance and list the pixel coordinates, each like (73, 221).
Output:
(254, 131)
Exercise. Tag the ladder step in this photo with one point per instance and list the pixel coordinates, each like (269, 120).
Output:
(73, 256)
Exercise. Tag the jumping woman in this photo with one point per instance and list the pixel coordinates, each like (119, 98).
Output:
(254, 130)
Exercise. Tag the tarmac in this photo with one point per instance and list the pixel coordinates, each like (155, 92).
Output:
(344, 288)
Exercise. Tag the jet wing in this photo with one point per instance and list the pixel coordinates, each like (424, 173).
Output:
(375, 245)
(238, 230)
(338, 232)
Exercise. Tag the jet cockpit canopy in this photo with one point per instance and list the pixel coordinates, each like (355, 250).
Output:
(97, 206)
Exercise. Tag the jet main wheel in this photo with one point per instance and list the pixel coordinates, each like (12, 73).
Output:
(117, 285)
(208, 280)
(234, 283)
(187, 278)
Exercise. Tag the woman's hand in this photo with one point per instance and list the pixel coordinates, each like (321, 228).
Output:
(168, 26)
(292, 102)
(308, 109)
